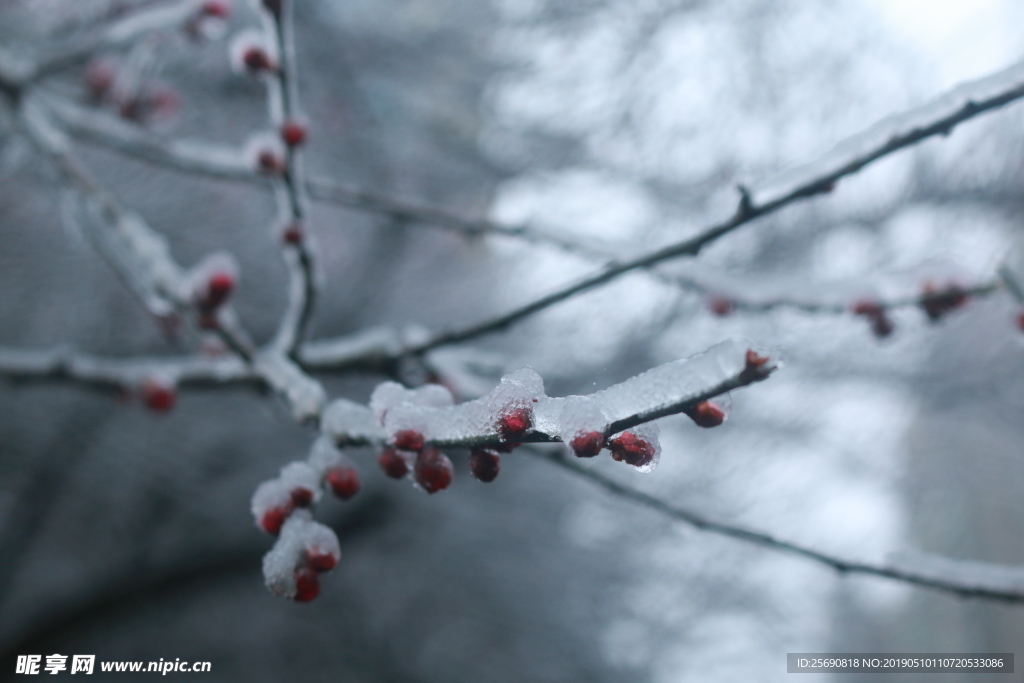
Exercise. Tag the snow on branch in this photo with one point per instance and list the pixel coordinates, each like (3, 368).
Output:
(959, 577)
(668, 389)
(886, 137)
(282, 99)
(189, 156)
(120, 34)
(937, 117)
(143, 257)
(411, 424)
(119, 374)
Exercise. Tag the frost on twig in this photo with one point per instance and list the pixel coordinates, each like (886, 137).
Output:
(122, 33)
(117, 374)
(304, 395)
(937, 117)
(668, 389)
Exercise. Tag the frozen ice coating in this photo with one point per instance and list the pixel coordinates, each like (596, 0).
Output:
(673, 382)
(269, 495)
(300, 475)
(429, 409)
(388, 395)
(649, 432)
(449, 424)
(298, 535)
(324, 455)
(349, 422)
(580, 415)
(936, 116)
(305, 395)
(433, 395)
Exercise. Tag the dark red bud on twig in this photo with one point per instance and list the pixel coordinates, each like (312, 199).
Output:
(485, 464)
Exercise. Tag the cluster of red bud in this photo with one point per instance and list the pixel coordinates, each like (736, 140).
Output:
(283, 507)
(132, 98)
(208, 20)
(411, 423)
(212, 282)
(936, 302)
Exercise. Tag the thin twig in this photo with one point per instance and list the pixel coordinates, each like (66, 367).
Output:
(938, 117)
(299, 257)
(119, 34)
(665, 390)
(117, 374)
(964, 578)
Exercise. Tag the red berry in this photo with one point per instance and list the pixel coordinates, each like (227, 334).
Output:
(875, 312)
(937, 303)
(587, 444)
(514, 423)
(218, 289)
(273, 519)
(307, 584)
(344, 481)
(131, 108)
(256, 59)
(216, 8)
(162, 103)
(866, 307)
(881, 326)
(99, 78)
(721, 305)
(392, 463)
(408, 440)
(320, 561)
(293, 133)
(484, 463)
(433, 470)
(632, 449)
(293, 234)
(706, 414)
(159, 395)
(756, 367)
(302, 497)
(1020, 321)
(270, 162)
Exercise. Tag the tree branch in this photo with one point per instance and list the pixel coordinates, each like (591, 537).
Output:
(668, 389)
(959, 577)
(119, 34)
(937, 117)
(298, 255)
(111, 374)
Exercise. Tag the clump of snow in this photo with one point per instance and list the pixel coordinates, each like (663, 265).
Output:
(300, 537)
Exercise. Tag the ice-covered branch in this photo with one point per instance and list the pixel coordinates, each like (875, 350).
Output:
(117, 35)
(117, 374)
(195, 157)
(1012, 284)
(668, 389)
(938, 117)
(298, 254)
(303, 394)
(935, 301)
(143, 257)
(960, 577)
(137, 253)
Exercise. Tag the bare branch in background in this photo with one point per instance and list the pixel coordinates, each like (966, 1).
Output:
(959, 577)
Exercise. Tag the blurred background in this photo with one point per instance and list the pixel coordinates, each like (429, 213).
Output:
(622, 125)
